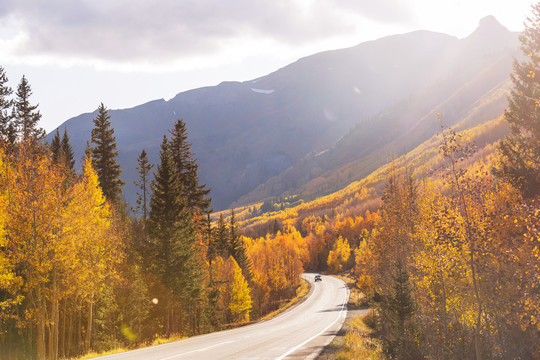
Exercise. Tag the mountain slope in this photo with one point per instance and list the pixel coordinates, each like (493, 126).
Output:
(245, 134)
(474, 90)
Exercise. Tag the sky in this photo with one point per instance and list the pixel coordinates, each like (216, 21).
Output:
(77, 54)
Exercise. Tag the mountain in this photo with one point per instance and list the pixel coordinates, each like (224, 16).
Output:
(281, 132)
(468, 84)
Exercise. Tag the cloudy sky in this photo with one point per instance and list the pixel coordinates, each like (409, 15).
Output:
(78, 53)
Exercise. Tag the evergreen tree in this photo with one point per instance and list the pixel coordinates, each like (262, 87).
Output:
(165, 205)
(104, 155)
(401, 340)
(222, 244)
(67, 151)
(87, 152)
(520, 151)
(186, 168)
(209, 233)
(7, 129)
(237, 248)
(143, 169)
(172, 238)
(25, 115)
(56, 147)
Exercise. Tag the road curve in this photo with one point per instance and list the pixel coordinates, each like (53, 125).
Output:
(299, 333)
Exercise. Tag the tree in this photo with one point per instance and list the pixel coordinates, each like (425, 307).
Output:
(143, 169)
(186, 169)
(172, 243)
(56, 147)
(25, 115)
(401, 339)
(67, 151)
(165, 205)
(104, 155)
(221, 244)
(240, 300)
(237, 248)
(338, 257)
(234, 303)
(7, 128)
(520, 152)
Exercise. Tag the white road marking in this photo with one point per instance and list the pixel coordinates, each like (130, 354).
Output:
(314, 336)
(198, 350)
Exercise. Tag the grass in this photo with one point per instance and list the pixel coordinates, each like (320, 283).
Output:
(162, 340)
(93, 354)
(359, 342)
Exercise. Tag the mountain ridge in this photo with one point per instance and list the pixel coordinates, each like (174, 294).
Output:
(246, 133)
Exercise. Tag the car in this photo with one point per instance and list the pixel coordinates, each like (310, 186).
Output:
(318, 278)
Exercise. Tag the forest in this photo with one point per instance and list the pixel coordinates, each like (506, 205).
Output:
(81, 272)
(443, 242)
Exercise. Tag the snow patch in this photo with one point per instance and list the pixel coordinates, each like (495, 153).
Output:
(263, 91)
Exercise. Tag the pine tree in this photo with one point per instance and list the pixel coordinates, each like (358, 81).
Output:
(104, 155)
(186, 168)
(237, 248)
(69, 154)
(401, 340)
(172, 236)
(7, 129)
(209, 234)
(25, 115)
(56, 147)
(87, 152)
(221, 241)
(165, 206)
(520, 151)
(143, 169)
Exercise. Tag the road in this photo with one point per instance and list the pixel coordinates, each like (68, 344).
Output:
(298, 333)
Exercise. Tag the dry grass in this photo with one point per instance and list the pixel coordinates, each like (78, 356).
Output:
(93, 354)
(173, 337)
(359, 342)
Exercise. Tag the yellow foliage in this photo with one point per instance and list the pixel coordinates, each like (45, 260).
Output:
(339, 255)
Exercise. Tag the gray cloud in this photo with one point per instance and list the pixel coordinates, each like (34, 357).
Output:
(136, 30)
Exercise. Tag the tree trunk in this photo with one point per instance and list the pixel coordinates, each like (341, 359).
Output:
(40, 338)
(89, 326)
(62, 340)
(479, 311)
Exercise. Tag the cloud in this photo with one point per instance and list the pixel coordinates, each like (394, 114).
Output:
(159, 32)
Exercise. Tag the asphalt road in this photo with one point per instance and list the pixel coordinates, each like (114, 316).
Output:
(298, 333)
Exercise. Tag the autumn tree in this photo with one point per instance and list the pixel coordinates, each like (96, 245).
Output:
(104, 156)
(234, 292)
(520, 151)
(338, 257)
(25, 115)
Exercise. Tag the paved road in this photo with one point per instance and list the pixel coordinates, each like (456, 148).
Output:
(299, 333)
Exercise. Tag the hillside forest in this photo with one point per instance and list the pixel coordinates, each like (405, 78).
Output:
(443, 242)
